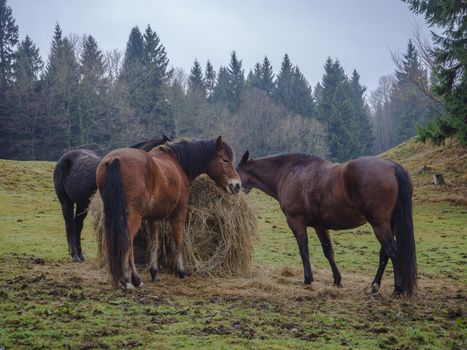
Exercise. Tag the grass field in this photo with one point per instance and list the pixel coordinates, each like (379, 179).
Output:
(48, 302)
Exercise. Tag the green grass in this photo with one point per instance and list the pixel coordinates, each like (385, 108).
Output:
(56, 304)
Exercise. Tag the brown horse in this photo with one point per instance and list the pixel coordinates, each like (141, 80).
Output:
(135, 184)
(316, 193)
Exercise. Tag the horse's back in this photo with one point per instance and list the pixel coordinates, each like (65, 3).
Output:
(152, 184)
(74, 176)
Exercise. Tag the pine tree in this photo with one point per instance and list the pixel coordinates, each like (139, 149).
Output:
(195, 80)
(8, 41)
(450, 57)
(209, 80)
(236, 79)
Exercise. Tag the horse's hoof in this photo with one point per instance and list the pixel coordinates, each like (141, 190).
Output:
(375, 287)
(129, 286)
(337, 284)
(181, 274)
(308, 280)
(136, 280)
(81, 257)
(75, 258)
(154, 274)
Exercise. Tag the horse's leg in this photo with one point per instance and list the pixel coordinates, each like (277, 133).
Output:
(178, 222)
(155, 229)
(80, 215)
(385, 237)
(68, 214)
(135, 277)
(325, 240)
(383, 261)
(134, 223)
(299, 230)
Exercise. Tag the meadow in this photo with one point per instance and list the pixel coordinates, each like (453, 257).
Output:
(48, 302)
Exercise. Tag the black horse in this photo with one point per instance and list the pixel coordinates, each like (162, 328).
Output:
(75, 183)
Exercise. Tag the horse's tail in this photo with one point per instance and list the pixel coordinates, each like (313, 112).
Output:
(115, 219)
(403, 225)
(61, 171)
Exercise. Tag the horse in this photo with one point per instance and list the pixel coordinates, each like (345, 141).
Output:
(313, 192)
(137, 185)
(75, 182)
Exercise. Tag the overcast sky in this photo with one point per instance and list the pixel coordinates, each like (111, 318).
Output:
(360, 33)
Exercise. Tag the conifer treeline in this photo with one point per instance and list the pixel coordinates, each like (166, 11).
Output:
(85, 98)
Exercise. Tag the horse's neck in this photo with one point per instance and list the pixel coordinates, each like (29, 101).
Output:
(266, 177)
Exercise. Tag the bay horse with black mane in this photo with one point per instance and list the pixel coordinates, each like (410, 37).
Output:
(137, 185)
(75, 183)
(313, 192)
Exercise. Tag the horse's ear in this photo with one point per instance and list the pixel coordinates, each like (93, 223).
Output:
(165, 138)
(219, 144)
(244, 159)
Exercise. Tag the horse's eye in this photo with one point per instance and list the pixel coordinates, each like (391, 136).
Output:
(225, 160)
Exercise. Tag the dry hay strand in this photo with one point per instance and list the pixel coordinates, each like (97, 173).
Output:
(220, 231)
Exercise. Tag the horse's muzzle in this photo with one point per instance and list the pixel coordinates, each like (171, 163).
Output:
(233, 187)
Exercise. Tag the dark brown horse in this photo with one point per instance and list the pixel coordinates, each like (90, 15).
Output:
(155, 185)
(75, 183)
(316, 193)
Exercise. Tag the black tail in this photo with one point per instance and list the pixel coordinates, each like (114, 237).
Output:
(61, 171)
(403, 224)
(115, 219)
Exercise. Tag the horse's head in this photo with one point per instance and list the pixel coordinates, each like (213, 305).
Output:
(245, 177)
(221, 168)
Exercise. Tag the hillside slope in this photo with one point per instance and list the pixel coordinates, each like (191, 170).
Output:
(422, 160)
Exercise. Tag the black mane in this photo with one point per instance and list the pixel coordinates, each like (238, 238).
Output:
(195, 156)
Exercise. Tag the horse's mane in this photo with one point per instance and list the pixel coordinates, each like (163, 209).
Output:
(195, 155)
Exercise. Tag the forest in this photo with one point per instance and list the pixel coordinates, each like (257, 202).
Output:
(83, 97)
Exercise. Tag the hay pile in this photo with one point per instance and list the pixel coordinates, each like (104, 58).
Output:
(219, 233)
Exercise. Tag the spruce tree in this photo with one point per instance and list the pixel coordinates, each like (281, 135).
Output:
(156, 109)
(195, 80)
(363, 132)
(8, 41)
(267, 77)
(301, 95)
(61, 87)
(209, 80)
(293, 90)
(334, 109)
(221, 92)
(254, 77)
(410, 105)
(283, 93)
(450, 58)
(236, 79)
(28, 64)
(93, 87)
(25, 125)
